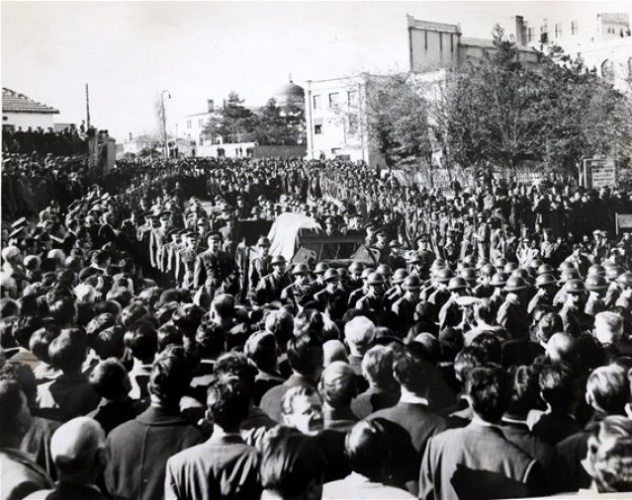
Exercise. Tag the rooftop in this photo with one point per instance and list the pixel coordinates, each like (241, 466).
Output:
(19, 103)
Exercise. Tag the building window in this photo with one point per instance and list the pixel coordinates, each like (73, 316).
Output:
(352, 96)
(530, 35)
(607, 70)
(188, 123)
(558, 30)
(317, 102)
(629, 69)
(318, 129)
(353, 124)
(334, 100)
(201, 122)
(574, 27)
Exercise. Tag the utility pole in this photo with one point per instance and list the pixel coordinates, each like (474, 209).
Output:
(164, 122)
(87, 108)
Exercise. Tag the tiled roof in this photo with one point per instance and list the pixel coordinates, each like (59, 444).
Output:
(19, 103)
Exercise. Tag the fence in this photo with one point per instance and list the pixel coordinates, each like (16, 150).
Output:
(443, 178)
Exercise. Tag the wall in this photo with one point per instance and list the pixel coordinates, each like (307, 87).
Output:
(230, 150)
(26, 120)
(298, 151)
(432, 49)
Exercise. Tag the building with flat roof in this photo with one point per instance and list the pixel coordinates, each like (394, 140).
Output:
(432, 48)
(603, 43)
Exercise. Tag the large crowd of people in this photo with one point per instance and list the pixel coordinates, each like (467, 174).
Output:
(465, 344)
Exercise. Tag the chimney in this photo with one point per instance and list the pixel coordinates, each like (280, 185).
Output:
(210, 105)
(520, 31)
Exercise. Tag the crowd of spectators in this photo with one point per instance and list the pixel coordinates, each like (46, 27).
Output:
(67, 142)
(476, 346)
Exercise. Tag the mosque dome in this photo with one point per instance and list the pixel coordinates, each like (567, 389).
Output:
(290, 92)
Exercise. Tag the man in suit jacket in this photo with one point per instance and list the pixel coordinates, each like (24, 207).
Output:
(477, 461)
(224, 466)
(416, 423)
(305, 356)
(19, 475)
(140, 448)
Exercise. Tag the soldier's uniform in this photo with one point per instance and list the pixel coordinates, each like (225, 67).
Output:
(185, 267)
(332, 302)
(273, 284)
(158, 238)
(405, 308)
(370, 303)
(212, 269)
(356, 295)
(483, 290)
(259, 267)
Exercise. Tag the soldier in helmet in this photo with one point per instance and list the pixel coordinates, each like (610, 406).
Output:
(295, 293)
(441, 295)
(331, 299)
(406, 305)
(451, 314)
(484, 289)
(355, 277)
(275, 282)
(596, 285)
(373, 301)
(512, 314)
(358, 293)
(625, 296)
(546, 285)
(572, 313)
(395, 292)
(614, 288)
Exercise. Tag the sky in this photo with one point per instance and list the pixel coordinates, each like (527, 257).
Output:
(128, 52)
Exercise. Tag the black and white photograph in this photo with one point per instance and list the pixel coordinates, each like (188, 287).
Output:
(316, 250)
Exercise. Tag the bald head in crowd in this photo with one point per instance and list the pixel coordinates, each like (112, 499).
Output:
(359, 335)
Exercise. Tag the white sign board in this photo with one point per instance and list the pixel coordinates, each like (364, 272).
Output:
(599, 173)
